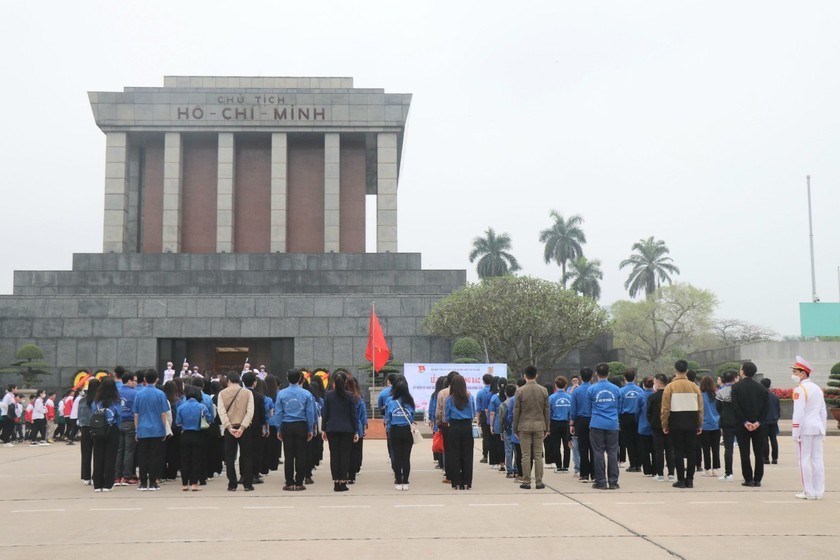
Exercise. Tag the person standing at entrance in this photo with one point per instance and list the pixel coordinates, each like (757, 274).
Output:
(236, 411)
(531, 423)
(341, 431)
(294, 416)
(750, 401)
(809, 419)
(682, 420)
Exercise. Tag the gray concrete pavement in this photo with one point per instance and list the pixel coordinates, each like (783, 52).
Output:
(45, 512)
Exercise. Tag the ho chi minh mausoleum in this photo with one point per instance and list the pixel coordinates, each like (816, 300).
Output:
(235, 222)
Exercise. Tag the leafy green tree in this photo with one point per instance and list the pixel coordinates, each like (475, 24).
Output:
(465, 350)
(617, 368)
(727, 366)
(585, 275)
(650, 265)
(29, 363)
(493, 256)
(519, 320)
(650, 330)
(563, 241)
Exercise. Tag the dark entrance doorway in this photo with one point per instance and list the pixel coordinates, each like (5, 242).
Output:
(219, 355)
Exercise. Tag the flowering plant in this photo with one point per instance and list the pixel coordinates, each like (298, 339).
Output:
(782, 393)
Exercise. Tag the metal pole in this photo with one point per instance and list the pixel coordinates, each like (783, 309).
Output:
(814, 296)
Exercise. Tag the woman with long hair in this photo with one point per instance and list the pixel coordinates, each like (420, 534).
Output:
(274, 447)
(439, 383)
(710, 436)
(361, 417)
(459, 412)
(86, 441)
(105, 445)
(496, 451)
(315, 446)
(399, 415)
(341, 431)
(193, 444)
(174, 390)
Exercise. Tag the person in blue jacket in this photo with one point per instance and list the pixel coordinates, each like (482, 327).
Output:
(710, 434)
(496, 448)
(362, 418)
(644, 429)
(459, 412)
(603, 429)
(560, 404)
(105, 446)
(295, 417)
(399, 416)
(579, 423)
(628, 435)
(188, 416)
(482, 403)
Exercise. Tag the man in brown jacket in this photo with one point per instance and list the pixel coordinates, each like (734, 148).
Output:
(236, 411)
(531, 421)
(682, 420)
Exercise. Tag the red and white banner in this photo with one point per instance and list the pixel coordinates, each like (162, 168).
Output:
(421, 378)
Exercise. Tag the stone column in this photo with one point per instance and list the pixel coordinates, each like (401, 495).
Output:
(279, 182)
(332, 194)
(224, 194)
(386, 192)
(115, 231)
(172, 181)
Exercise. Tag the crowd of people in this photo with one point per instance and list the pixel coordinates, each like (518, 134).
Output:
(138, 430)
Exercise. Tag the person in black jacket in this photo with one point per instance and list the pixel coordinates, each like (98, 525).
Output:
(663, 453)
(751, 402)
(258, 430)
(728, 423)
(341, 431)
(771, 424)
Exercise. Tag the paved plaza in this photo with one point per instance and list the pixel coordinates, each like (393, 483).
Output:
(45, 512)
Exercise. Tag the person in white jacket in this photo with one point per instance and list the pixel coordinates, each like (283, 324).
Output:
(809, 423)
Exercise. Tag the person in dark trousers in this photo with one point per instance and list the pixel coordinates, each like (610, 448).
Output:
(727, 421)
(459, 412)
(751, 402)
(663, 453)
(628, 435)
(105, 445)
(771, 423)
(604, 397)
(193, 443)
(399, 415)
(482, 401)
(86, 440)
(710, 437)
(682, 420)
(579, 423)
(341, 431)
(258, 429)
(560, 403)
(236, 412)
(8, 412)
(645, 432)
(295, 417)
(443, 426)
(150, 408)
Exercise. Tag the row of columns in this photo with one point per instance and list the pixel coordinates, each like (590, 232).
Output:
(116, 228)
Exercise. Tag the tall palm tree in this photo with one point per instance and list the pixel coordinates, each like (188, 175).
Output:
(650, 266)
(563, 241)
(492, 254)
(585, 274)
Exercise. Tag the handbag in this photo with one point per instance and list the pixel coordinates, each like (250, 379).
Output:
(437, 443)
(203, 424)
(415, 431)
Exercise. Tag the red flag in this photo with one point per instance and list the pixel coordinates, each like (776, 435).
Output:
(377, 349)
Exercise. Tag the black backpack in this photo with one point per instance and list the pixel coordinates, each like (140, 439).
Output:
(99, 424)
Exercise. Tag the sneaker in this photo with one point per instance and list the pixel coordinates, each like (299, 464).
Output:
(8, 445)
(142, 488)
(614, 486)
(525, 486)
(483, 460)
(97, 489)
(679, 484)
(43, 444)
(558, 470)
(118, 482)
(106, 489)
(308, 480)
(33, 444)
(727, 478)
(659, 478)
(405, 486)
(397, 486)
(671, 478)
(50, 441)
(87, 482)
(154, 488)
(539, 486)
(804, 496)
(130, 482)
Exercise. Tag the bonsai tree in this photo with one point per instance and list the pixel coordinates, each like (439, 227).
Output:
(29, 363)
(465, 350)
(832, 392)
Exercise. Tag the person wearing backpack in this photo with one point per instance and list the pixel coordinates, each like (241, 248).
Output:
(104, 427)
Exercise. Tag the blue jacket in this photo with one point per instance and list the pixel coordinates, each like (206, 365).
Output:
(394, 414)
(603, 398)
(112, 413)
(361, 414)
(641, 413)
(774, 412)
(511, 401)
(126, 403)
(630, 393)
(581, 407)
(711, 417)
(492, 406)
(382, 399)
(431, 412)
(560, 403)
(452, 412)
(188, 415)
(295, 404)
(482, 401)
(149, 403)
(340, 413)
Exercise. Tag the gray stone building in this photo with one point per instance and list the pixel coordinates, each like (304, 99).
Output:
(234, 227)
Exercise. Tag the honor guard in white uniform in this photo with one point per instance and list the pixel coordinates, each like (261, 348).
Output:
(809, 422)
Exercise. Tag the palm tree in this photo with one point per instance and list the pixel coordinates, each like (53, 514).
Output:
(584, 275)
(563, 241)
(494, 257)
(650, 266)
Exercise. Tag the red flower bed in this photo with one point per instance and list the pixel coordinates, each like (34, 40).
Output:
(782, 393)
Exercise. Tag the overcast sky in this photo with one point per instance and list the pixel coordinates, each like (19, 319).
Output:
(694, 122)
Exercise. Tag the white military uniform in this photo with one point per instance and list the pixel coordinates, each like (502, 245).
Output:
(809, 422)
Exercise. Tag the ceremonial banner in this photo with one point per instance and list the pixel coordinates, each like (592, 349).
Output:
(421, 378)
